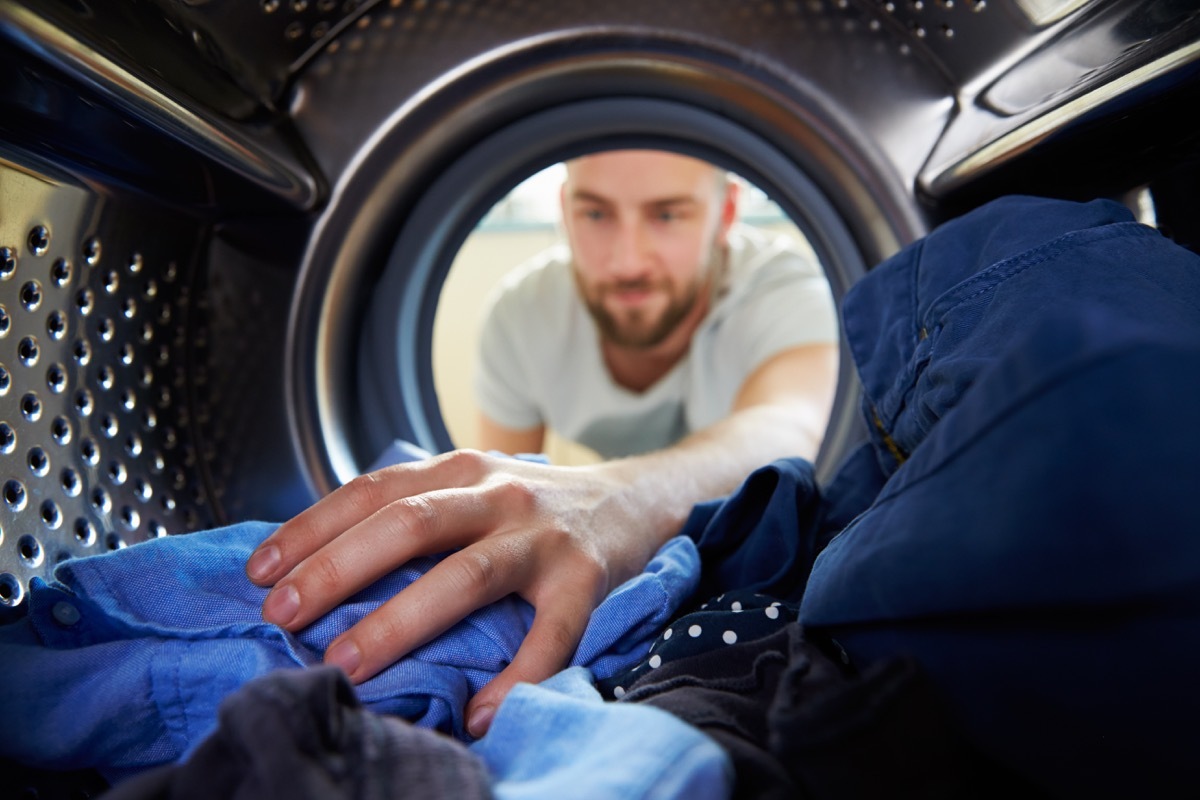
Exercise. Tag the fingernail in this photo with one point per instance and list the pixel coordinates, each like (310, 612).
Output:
(344, 654)
(263, 563)
(281, 605)
(481, 720)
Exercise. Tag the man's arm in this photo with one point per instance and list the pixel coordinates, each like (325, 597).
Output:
(559, 537)
(781, 410)
(802, 379)
(494, 436)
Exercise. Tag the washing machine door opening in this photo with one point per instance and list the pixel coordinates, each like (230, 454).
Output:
(657, 227)
(409, 322)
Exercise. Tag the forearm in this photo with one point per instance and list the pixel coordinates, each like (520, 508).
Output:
(494, 436)
(663, 486)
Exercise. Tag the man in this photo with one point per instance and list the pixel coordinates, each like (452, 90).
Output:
(660, 318)
(563, 537)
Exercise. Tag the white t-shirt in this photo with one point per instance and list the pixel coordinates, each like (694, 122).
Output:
(540, 361)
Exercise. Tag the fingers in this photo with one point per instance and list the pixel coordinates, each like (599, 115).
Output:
(432, 522)
(518, 533)
(558, 626)
(348, 505)
(435, 602)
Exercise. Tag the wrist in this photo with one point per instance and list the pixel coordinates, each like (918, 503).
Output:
(656, 498)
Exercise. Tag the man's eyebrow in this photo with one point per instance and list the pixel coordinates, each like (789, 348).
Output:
(589, 197)
(582, 195)
(678, 200)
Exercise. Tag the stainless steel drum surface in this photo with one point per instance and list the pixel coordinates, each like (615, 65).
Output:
(199, 200)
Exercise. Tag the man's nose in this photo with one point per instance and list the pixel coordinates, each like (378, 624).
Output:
(630, 252)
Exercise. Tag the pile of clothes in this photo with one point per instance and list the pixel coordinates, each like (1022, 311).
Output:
(997, 595)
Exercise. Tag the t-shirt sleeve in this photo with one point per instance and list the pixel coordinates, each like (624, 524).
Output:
(790, 304)
(503, 390)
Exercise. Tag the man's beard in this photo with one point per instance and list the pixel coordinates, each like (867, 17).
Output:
(634, 329)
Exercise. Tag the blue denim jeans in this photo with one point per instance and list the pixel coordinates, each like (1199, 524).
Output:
(1031, 375)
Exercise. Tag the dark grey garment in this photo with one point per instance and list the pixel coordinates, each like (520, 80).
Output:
(800, 724)
(302, 735)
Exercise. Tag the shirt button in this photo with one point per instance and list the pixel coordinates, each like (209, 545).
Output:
(65, 614)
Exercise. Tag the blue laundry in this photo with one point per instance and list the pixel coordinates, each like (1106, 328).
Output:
(121, 663)
(764, 537)
(1035, 546)
(1023, 519)
(302, 734)
(559, 739)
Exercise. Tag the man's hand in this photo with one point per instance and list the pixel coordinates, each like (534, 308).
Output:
(560, 537)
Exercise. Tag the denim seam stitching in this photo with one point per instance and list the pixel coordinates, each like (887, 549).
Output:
(999, 273)
(891, 491)
(992, 277)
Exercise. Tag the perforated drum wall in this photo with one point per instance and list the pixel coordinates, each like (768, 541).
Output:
(96, 428)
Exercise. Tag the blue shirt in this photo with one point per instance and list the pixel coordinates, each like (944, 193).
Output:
(122, 661)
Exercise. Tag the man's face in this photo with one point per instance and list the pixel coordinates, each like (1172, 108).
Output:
(646, 229)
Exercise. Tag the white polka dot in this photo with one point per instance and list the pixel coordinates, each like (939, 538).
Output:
(694, 631)
(655, 661)
(776, 604)
(772, 612)
(666, 634)
(737, 606)
(729, 637)
(720, 598)
(619, 692)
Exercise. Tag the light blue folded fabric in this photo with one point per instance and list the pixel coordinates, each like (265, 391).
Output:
(559, 739)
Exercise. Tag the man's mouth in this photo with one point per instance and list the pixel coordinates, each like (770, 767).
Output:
(631, 297)
(632, 294)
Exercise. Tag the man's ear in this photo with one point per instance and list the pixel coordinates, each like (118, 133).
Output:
(564, 217)
(729, 207)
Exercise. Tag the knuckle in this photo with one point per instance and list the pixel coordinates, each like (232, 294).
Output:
(581, 578)
(365, 493)
(414, 517)
(468, 463)
(386, 632)
(474, 571)
(559, 639)
(591, 569)
(325, 576)
(515, 496)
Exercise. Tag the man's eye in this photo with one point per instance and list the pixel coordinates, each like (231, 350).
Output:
(593, 214)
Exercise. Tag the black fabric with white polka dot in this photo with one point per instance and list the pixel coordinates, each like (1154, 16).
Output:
(733, 617)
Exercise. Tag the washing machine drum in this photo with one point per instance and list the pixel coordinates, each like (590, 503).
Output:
(224, 227)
